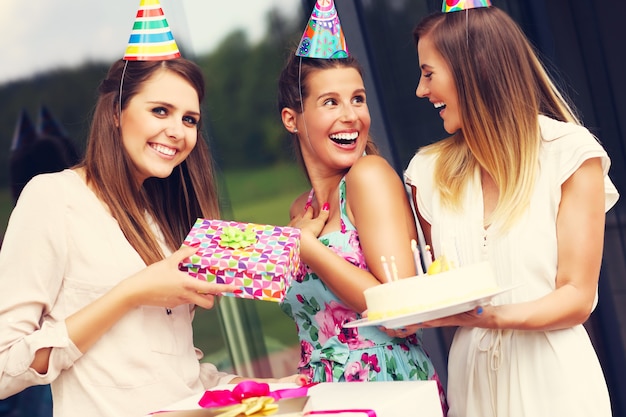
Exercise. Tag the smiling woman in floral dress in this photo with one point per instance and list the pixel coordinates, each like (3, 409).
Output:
(356, 212)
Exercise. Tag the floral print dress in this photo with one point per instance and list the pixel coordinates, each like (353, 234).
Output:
(332, 353)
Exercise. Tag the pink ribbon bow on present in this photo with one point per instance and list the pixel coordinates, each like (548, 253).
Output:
(247, 389)
(368, 413)
(251, 389)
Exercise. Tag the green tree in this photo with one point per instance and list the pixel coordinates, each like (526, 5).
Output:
(241, 96)
(241, 118)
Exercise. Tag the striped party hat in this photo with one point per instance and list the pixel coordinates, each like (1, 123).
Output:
(151, 38)
(323, 36)
(457, 5)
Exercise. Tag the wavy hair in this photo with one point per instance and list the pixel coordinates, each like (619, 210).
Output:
(502, 88)
(173, 203)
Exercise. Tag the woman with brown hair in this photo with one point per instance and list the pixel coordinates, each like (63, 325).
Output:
(355, 212)
(95, 302)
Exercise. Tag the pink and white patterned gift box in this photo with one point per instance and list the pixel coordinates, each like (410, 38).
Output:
(261, 259)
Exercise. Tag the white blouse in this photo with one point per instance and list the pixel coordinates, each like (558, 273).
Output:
(61, 251)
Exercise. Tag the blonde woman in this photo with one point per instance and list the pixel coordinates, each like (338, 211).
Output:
(521, 184)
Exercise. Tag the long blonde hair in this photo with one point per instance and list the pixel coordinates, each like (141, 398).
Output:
(502, 89)
(173, 202)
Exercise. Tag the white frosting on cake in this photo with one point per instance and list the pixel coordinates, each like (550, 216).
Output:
(427, 292)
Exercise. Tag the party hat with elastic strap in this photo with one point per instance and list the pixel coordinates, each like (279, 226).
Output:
(151, 38)
(457, 5)
(323, 36)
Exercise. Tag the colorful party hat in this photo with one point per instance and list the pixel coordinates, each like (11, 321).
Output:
(151, 38)
(457, 5)
(323, 36)
(24, 133)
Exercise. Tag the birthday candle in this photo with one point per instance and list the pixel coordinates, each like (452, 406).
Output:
(394, 268)
(428, 257)
(416, 258)
(386, 268)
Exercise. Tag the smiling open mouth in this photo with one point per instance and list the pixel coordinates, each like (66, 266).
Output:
(163, 149)
(344, 138)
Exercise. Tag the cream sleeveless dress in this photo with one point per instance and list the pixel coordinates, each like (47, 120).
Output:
(509, 373)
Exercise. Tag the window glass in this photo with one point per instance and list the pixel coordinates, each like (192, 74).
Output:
(58, 59)
(259, 178)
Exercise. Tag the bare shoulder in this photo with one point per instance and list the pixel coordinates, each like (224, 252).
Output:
(372, 172)
(373, 185)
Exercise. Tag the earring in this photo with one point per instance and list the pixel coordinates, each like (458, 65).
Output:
(295, 130)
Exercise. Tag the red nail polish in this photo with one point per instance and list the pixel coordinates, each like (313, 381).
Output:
(326, 206)
(237, 291)
(195, 244)
(307, 205)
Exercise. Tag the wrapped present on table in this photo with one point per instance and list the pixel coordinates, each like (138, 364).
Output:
(262, 259)
(332, 399)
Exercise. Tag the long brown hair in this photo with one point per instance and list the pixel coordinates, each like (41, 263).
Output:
(293, 88)
(174, 202)
(502, 89)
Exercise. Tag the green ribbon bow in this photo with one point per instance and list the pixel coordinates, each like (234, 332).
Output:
(235, 238)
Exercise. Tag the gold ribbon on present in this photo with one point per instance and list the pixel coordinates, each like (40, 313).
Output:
(252, 407)
(248, 398)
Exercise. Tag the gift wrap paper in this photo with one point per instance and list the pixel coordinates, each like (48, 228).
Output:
(339, 399)
(261, 259)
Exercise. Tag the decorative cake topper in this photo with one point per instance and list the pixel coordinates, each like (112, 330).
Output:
(457, 5)
(323, 36)
(151, 38)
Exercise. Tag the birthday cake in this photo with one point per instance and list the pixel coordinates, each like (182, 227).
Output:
(429, 291)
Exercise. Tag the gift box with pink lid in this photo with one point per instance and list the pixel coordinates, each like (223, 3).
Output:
(261, 259)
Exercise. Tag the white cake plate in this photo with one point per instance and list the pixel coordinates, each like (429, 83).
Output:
(435, 313)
